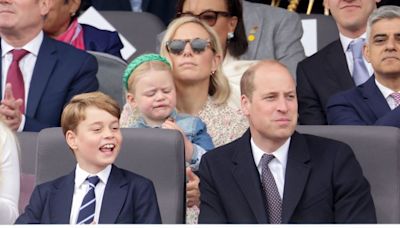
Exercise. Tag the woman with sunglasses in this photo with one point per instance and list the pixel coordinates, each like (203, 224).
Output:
(272, 33)
(202, 89)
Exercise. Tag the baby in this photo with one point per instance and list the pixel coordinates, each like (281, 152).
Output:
(151, 90)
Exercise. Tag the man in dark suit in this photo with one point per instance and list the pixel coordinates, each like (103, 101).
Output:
(330, 70)
(273, 174)
(376, 101)
(96, 192)
(50, 73)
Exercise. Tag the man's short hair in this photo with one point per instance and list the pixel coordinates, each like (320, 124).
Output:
(383, 12)
(247, 80)
(75, 111)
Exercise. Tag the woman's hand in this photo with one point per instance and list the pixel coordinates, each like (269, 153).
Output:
(192, 189)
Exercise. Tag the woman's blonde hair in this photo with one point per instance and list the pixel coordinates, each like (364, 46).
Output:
(218, 89)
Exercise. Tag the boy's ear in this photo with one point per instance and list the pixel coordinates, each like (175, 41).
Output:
(70, 137)
(131, 99)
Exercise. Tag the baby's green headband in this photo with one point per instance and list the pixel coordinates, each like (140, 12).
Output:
(138, 61)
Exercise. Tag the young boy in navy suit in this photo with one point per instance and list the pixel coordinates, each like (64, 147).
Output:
(96, 191)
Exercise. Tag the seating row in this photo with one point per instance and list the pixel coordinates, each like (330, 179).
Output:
(159, 155)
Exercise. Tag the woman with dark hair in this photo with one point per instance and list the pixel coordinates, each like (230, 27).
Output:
(248, 32)
(227, 22)
(61, 24)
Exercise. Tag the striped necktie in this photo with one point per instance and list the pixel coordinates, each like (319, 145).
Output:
(88, 206)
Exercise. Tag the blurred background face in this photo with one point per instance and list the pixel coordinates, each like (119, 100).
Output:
(22, 16)
(383, 48)
(59, 17)
(351, 15)
(272, 107)
(190, 67)
(223, 24)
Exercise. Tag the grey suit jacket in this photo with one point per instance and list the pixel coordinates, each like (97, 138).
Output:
(277, 34)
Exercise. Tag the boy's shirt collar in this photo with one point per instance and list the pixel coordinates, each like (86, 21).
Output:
(81, 175)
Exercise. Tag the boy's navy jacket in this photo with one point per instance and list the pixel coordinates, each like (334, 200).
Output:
(128, 198)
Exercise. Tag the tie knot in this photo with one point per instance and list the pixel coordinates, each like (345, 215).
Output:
(93, 180)
(356, 48)
(266, 158)
(396, 97)
(18, 54)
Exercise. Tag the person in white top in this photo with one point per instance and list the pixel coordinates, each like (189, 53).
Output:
(330, 70)
(376, 101)
(9, 175)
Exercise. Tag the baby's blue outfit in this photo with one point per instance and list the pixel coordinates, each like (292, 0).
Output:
(195, 130)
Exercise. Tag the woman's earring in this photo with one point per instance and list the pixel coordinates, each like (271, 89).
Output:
(230, 35)
(73, 14)
(212, 73)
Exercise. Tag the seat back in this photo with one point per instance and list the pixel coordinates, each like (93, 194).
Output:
(157, 154)
(327, 31)
(109, 75)
(27, 141)
(140, 29)
(377, 149)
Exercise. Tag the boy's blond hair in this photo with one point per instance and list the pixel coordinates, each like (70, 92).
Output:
(75, 111)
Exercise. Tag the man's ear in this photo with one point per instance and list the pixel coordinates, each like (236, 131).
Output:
(366, 53)
(45, 6)
(70, 138)
(245, 104)
(326, 4)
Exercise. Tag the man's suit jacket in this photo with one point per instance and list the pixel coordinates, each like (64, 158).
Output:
(318, 77)
(277, 34)
(323, 184)
(102, 40)
(128, 198)
(363, 105)
(61, 72)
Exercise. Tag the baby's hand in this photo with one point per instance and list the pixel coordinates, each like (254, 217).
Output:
(171, 124)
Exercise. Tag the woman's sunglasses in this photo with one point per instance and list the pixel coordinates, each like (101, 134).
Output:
(176, 47)
(208, 16)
